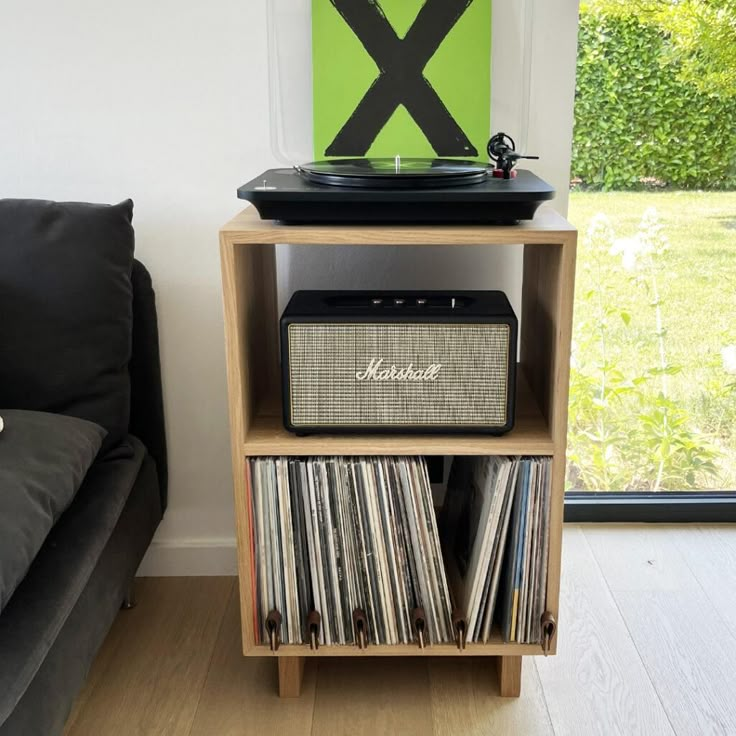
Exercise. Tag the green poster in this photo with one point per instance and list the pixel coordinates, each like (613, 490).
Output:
(406, 77)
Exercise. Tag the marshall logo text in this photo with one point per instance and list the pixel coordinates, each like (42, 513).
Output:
(375, 372)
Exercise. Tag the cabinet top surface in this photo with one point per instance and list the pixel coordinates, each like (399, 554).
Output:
(547, 227)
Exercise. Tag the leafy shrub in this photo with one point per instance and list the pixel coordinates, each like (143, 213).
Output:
(638, 118)
(701, 35)
(626, 431)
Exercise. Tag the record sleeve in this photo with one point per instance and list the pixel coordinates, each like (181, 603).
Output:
(399, 546)
(525, 572)
(365, 552)
(319, 548)
(352, 578)
(379, 600)
(498, 552)
(491, 477)
(334, 563)
(541, 587)
(309, 521)
(534, 533)
(288, 553)
(340, 542)
(301, 551)
(420, 556)
(424, 508)
(255, 575)
(510, 596)
(277, 560)
(266, 593)
(490, 535)
(445, 605)
(386, 528)
(382, 554)
(415, 597)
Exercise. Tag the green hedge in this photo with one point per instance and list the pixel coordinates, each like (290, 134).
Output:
(636, 119)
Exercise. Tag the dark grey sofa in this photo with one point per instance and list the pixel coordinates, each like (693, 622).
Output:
(59, 614)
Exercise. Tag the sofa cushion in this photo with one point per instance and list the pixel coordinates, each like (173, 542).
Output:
(43, 461)
(45, 601)
(66, 306)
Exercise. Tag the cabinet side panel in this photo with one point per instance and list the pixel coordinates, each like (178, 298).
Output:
(238, 375)
(561, 387)
(547, 301)
(249, 294)
(240, 411)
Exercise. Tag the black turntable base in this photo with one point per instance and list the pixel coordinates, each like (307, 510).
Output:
(394, 191)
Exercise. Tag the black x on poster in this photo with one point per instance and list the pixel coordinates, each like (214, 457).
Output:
(406, 77)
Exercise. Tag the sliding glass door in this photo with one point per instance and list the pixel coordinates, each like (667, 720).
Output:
(652, 421)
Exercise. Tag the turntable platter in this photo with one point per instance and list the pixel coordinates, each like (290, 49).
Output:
(394, 173)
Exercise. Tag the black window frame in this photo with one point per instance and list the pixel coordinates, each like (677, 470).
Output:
(667, 507)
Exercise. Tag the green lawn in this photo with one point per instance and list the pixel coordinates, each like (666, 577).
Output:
(624, 414)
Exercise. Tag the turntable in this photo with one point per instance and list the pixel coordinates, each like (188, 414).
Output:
(395, 190)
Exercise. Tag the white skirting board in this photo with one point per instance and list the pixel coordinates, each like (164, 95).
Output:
(190, 557)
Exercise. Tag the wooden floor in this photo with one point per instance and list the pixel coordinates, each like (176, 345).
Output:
(647, 646)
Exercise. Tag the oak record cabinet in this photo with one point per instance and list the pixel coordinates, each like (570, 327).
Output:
(247, 248)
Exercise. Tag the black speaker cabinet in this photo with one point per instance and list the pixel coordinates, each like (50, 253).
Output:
(423, 362)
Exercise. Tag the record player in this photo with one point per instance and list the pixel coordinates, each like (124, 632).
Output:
(396, 190)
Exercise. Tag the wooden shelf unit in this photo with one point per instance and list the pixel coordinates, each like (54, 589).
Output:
(247, 249)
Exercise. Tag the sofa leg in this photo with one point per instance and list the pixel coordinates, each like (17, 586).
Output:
(129, 600)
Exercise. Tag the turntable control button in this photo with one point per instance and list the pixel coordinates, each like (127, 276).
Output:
(376, 302)
(399, 302)
(421, 302)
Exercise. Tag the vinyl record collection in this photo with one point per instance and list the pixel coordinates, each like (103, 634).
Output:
(346, 550)
(354, 539)
(495, 536)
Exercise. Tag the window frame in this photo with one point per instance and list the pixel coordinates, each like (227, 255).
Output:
(668, 507)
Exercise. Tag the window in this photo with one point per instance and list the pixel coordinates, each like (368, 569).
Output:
(652, 432)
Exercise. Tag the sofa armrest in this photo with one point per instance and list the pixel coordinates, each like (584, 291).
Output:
(146, 403)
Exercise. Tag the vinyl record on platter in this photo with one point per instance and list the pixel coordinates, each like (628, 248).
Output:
(394, 173)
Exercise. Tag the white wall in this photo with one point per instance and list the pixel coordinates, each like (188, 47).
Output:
(167, 102)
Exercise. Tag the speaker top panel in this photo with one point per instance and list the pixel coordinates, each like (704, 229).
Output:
(418, 306)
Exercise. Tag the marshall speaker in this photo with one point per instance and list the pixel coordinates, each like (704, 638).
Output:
(398, 362)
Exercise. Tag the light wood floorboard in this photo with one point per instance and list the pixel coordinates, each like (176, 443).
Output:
(465, 700)
(687, 646)
(642, 557)
(597, 683)
(154, 679)
(373, 696)
(647, 646)
(711, 556)
(240, 694)
(104, 659)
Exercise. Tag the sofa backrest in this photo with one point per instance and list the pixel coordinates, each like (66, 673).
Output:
(78, 330)
(66, 310)
(146, 401)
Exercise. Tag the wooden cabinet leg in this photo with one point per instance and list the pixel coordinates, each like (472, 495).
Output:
(291, 671)
(509, 676)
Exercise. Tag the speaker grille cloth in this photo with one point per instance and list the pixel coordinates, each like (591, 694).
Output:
(470, 389)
